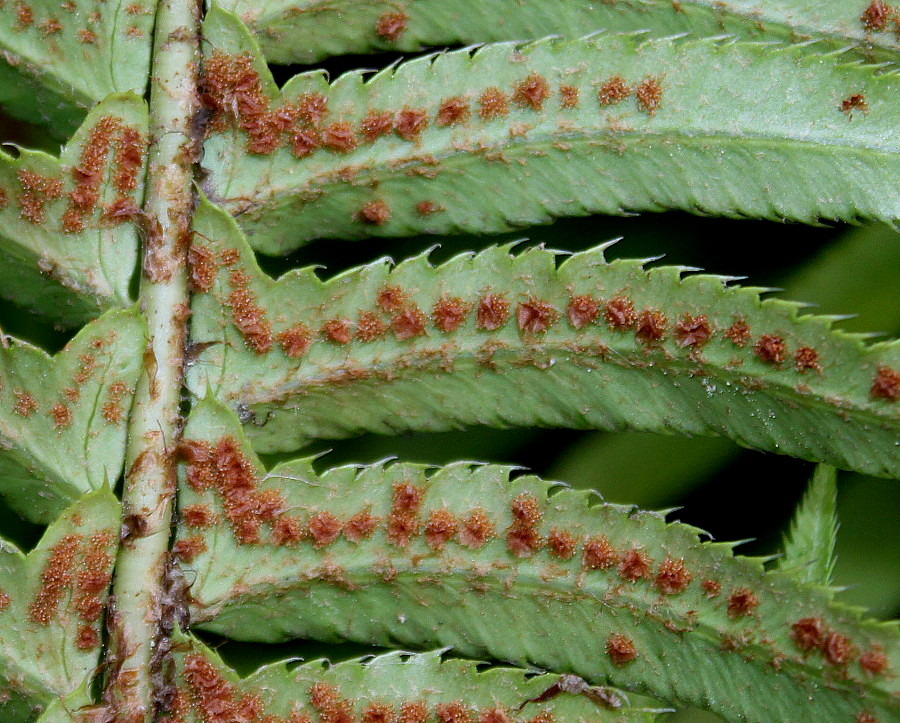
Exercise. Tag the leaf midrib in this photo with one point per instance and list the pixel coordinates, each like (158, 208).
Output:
(468, 354)
(363, 171)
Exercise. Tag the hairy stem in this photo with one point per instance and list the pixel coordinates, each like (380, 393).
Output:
(142, 613)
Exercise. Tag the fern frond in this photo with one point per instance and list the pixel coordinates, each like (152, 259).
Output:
(509, 340)
(58, 59)
(516, 570)
(809, 549)
(394, 686)
(304, 31)
(51, 607)
(62, 418)
(68, 244)
(512, 135)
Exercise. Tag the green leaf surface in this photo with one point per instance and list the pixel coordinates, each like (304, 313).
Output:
(60, 58)
(68, 246)
(709, 126)
(51, 605)
(63, 418)
(856, 273)
(304, 31)
(304, 359)
(389, 685)
(517, 570)
(809, 549)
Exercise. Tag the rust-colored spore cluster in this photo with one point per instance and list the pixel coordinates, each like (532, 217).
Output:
(812, 635)
(742, 602)
(857, 101)
(536, 316)
(876, 15)
(37, 191)
(476, 530)
(613, 91)
(672, 576)
(440, 528)
(223, 467)
(403, 521)
(886, 385)
(390, 26)
(492, 312)
(202, 267)
(598, 553)
(248, 316)
(620, 649)
(635, 565)
(523, 537)
(649, 95)
(532, 92)
(83, 567)
(216, 699)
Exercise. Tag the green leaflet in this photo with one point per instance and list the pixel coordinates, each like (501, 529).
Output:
(809, 549)
(304, 31)
(532, 344)
(391, 684)
(51, 606)
(67, 247)
(857, 272)
(59, 58)
(516, 570)
(63, 419)
(447, 155)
